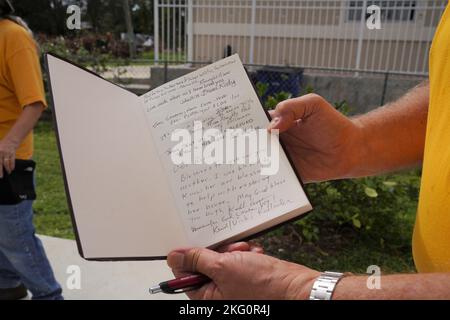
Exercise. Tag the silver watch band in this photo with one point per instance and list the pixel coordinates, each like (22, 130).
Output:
(324, 285)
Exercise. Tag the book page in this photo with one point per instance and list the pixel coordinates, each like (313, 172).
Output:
(119, 195)
(217, 201)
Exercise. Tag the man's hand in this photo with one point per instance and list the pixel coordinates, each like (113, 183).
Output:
(323, 144)
(7, 156)
(249, 275)
(240, 246)
(15, 136)
(243, 275)
(326, 145)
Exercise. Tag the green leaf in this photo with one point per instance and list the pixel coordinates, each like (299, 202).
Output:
(390, 183)
(357, 223)
(370, 192)
(261, 88)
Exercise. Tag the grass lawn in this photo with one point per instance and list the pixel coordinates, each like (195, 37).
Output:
(51, 211)
(333, 251)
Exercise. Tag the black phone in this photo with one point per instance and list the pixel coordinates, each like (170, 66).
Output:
(19, 184)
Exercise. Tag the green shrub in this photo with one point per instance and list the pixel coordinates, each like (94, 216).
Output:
(379, 208)
(78, 50)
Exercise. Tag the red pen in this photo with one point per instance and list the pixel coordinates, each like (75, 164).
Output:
(180, 285)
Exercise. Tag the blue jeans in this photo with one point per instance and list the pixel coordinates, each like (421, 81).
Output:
(22, 256)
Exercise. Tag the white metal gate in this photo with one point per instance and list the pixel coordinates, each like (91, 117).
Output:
(321, 34)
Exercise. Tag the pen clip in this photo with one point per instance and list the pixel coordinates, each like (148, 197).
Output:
(181, 290)
(184, 284)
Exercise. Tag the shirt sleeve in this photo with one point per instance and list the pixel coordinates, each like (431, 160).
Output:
(26, 76)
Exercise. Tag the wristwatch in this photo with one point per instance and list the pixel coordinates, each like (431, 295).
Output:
(324, 285)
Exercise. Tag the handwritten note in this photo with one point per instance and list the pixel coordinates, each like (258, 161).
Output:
(218, 200)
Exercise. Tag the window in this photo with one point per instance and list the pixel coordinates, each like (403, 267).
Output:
(391, 10)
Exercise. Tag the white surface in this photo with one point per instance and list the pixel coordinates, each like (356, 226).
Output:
(119, 192)
(106, 280)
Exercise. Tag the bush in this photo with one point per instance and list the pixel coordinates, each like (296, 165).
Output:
(378, 208)
(89, 51)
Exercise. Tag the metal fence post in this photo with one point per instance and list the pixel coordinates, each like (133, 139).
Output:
(360, 37)
(190, 32)
(252, 32)
(165, 70)
(383, 93)
(156, 30)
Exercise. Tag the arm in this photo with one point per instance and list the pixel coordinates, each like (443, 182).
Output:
(400, 286)
(393, 136)
(18, 132)
(251, 275)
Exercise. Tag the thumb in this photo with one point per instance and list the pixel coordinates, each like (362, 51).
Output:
(288, 112)
(196, 260)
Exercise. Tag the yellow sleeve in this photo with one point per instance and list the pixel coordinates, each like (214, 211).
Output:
(25, 73)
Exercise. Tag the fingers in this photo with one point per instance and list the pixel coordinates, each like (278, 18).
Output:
(241, 246)
(9, 164)
(256, 249)
(7, 161)
(289, 112)
(238, 246)
(197, 260)
(188, 261)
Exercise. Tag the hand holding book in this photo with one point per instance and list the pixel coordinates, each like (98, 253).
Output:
(243, 275)
(320, 140)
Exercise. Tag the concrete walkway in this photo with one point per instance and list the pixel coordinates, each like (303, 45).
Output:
(105, 280)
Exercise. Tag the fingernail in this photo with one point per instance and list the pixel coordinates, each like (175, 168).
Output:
(274, 122)
(175, 260)
(257, 250)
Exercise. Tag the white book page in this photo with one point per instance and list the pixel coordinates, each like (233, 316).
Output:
(217, 202)
(121, 199)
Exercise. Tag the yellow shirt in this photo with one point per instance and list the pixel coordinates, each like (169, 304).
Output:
(20, 80)
(431, 240)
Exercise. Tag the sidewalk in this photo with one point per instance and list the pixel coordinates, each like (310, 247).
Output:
(106, 280)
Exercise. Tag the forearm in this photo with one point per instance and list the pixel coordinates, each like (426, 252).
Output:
(402, 286)
(393, 136)
(24, 124)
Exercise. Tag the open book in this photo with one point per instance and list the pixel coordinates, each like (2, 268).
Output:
(129, 196)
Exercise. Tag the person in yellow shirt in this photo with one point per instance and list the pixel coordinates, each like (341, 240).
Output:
(326, 145)
(23, 263)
